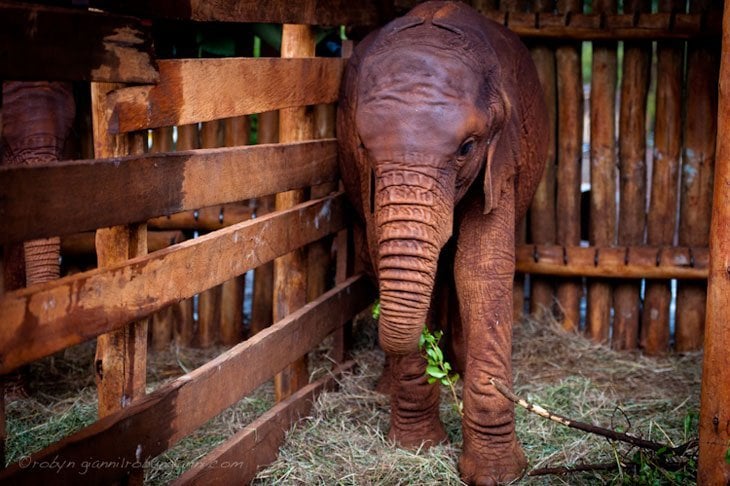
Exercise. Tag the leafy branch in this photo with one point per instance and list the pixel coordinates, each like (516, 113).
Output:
(437, 369)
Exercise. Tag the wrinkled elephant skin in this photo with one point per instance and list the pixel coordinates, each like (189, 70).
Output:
(443, 137)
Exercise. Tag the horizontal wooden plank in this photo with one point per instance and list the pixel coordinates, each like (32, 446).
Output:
(238, 459)
(205, 219)
(48, 43)
(309, 12)
(197, 90)
(45, 318)
(83, 244)
(615, 262)
(153, 424)
(586, 27)
(71, 197)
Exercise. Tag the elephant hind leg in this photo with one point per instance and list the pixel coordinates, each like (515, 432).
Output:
(414, 416)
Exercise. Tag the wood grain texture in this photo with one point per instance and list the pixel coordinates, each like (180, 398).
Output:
(81, 244)
(698, 153)
(53, 199)
(570, 153)
(602, 230)
(204, 219)
(614, 262)
(49, 317)
(632, 178)
(713, 467)
(257, 444)
(43, 43)
(290, 271)
(309, 12)
(155, 423)
(196, 90)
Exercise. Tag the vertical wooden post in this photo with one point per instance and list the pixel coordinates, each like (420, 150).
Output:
(570, 155)
(209, 301)
(542, 209)
(187, 139)
(231, 323)
(262, 313)
(662, 218)
(713, 467)
(632, 170)
(162, 321)
(121, 355)
(603, 173)
(290, 278)
(697, 174)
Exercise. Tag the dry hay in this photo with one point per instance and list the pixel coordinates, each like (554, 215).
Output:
(344, 440)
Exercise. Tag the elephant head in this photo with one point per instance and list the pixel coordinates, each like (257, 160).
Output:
(430, 124)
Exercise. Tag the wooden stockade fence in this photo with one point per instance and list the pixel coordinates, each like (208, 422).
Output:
(624, 252)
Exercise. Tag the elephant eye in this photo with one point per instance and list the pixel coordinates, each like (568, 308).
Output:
(466, 147)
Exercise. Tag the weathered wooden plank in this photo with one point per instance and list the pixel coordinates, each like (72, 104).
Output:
(46, 318)
(238, 459)
(309, 12)
(85, 243)
(196, 90)
(54, 199)
(43, 43)
(156, 422)
(614, 262)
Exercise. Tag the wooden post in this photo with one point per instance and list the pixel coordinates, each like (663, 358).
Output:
(162, 321)
(209, 302)
(542, 210)
(263, 278)
(121, 356)
(697, 175)
(231, 323)
(713, 467)
(662, 218)
(632, 170)
(290, 278)
(570, 155)
(603, 173)
(187, 139)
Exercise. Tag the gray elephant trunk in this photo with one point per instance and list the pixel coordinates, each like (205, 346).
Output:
(413, 223)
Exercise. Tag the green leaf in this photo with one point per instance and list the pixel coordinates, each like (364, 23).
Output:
(727, 455)
(431, 380)
(446, 381)
(447, 366)
(435, 371)
(439, 355)
(376, 309)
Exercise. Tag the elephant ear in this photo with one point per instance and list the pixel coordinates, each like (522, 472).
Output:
(502, 153)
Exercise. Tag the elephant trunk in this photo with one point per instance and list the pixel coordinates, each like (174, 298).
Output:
(413, 223)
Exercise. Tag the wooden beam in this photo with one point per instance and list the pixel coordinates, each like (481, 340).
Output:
(614, 262)
(54, 199)
(44, 43)
(46, 318)
(238, 459)
(605, 26)
(713, 466)
(155, 423)
(309, 12)
(197, 90)
(85, 243)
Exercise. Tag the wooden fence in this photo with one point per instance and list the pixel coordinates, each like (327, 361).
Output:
(623, 254)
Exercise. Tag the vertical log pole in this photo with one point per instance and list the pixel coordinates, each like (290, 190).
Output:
(662, 218)
(262, 313)
(542, 210)
(632, 177)
(602, 230)
(162, 322)
(713, 467)
(187, 139)
(697, 175)
(231, 322)
(290, 278)
(209, 301)
(570, 155)
(121, 355)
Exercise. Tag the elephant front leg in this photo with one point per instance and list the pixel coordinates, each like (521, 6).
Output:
(414, 404)
(484, 271)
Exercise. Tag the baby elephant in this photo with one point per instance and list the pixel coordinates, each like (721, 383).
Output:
(443, 138)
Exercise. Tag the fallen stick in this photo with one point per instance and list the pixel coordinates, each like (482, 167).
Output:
(592, 429)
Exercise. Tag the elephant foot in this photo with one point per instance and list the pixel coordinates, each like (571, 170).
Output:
(419, 436)
(491, 470)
